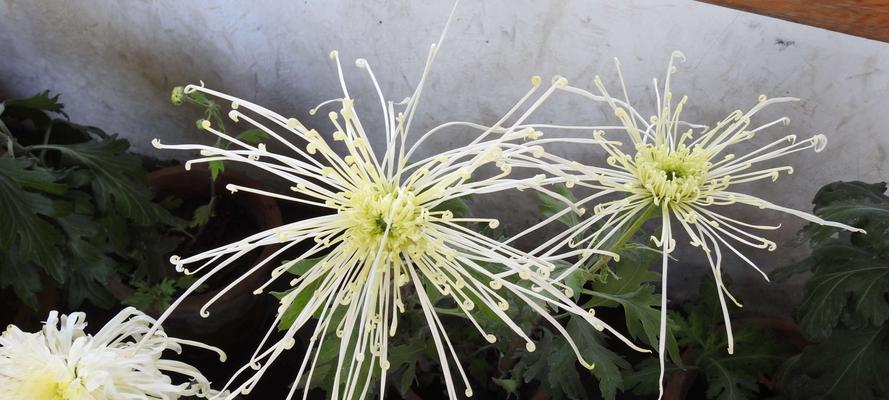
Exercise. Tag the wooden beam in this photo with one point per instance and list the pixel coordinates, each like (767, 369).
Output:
(865, 18)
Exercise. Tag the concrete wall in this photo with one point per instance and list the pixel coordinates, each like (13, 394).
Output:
(115, 62)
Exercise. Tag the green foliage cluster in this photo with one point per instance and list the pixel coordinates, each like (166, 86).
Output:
(160, 295)
(845, 307)
(76, 207)
(700, 332)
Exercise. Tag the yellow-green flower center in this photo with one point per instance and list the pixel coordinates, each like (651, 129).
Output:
(371, 210)
(46, 386)
(677, 176)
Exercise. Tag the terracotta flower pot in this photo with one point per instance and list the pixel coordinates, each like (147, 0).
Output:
(193, 187)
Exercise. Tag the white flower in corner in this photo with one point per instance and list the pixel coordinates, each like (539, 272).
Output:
(684, 172)
(62, 362)
(385, 236)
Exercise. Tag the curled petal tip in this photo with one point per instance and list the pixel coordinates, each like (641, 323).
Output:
(678, 55)
(819, 142)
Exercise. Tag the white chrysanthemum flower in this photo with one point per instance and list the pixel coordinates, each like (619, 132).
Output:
(384, 237)
(685, 172)
(62, 362)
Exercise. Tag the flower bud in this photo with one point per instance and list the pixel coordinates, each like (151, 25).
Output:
(177, 95)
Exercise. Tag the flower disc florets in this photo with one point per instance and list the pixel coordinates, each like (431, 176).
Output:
(677, 176)
(383, 210)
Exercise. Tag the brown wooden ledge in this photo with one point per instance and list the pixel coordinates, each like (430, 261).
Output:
(865, 18)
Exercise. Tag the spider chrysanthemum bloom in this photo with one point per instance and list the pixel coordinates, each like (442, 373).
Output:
(385, 236)
(684, 172)
(62, 362)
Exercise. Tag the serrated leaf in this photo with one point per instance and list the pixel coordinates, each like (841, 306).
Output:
(724, 384)
(25, 175)
(22, 277)
(631, 289)
(151, 248)
(848, 281)
(90, 270)
(642, 315)
(253, 136)
(857, 204)
(202, 215)
(147, 297)
(850, 364)
(116, 231)
(119, 178)
(608, 364)
(562, 375)
(34, 237)
(735, 376)
(78, 225)
(200, 98)
(404, 357)
(783, 273)
(550, 206)
(575, 280)
(302, 299)
(295, 307)
(40, 101)
(555, 365)
(35, 107)
(216, 167)
(728, 376)
(534, 365)
(642, 380)
(631, 272)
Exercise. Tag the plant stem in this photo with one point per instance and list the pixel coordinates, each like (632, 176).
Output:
(625, 236)
(46, 135)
